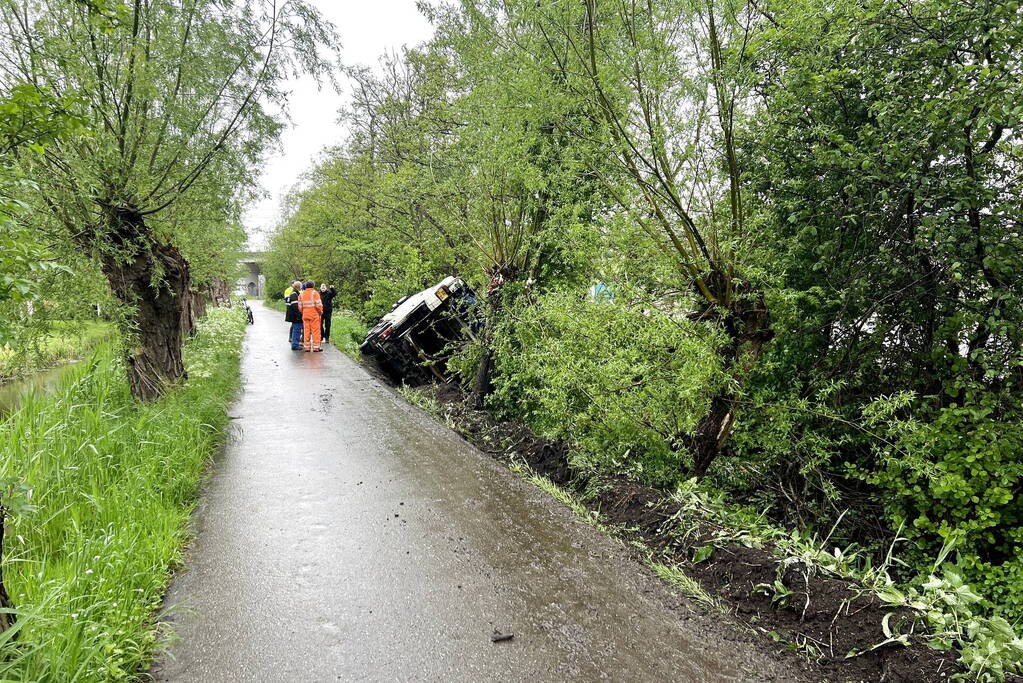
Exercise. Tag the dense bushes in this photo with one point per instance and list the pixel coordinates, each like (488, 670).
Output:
(954, 479)
(110, 486)
(887, 180)
(621, 380)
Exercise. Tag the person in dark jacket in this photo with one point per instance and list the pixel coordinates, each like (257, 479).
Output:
(287, 295)
(327, 294)
(293, 316)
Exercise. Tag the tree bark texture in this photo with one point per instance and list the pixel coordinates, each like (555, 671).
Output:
(481, 385)
(154, 280)
(218, 292)
(192, 310)
(748, 329)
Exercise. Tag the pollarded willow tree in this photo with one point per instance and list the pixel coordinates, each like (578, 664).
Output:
(667, 82)
(520, 188)
(175, 94)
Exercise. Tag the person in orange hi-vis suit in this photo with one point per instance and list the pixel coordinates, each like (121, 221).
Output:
(311, 306)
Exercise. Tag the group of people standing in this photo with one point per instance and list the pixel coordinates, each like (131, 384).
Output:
(309, 312)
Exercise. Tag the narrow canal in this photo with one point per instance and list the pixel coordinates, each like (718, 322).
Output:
(13, 393)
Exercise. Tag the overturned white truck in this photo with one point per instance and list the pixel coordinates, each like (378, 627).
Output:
(415, 338)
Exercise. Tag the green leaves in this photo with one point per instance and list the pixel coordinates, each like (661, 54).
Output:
(702, 554)
(31, 118)
(15, 497)
(29, 121)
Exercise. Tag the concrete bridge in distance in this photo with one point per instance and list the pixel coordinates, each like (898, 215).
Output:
(251, 281)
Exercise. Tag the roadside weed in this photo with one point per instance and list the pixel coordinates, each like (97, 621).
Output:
(687, 585)
(989, 646)
(347, 332)
(112, 484)
(565, 497)
(990, 649)
(420, 399)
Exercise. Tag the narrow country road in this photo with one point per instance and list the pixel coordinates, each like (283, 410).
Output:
(344, 535)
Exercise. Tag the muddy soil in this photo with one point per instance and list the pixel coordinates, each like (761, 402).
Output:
(834, 625)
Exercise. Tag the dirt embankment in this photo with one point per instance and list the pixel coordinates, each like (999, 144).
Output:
(826, 619)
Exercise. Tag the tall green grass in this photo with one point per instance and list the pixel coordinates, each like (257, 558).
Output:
(112, 485)
(347, 332)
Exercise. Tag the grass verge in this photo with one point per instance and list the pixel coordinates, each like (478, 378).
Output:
(347, 332)
(108, 487)
(688, 586)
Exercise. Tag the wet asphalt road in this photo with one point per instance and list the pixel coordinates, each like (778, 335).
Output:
(345, 535)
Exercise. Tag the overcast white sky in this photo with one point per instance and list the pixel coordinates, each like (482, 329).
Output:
(368, 29)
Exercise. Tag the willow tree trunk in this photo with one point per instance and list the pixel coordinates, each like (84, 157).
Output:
(482, 382)
(748, 328)
(153, 279)
(192, 311)
(218, 292)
